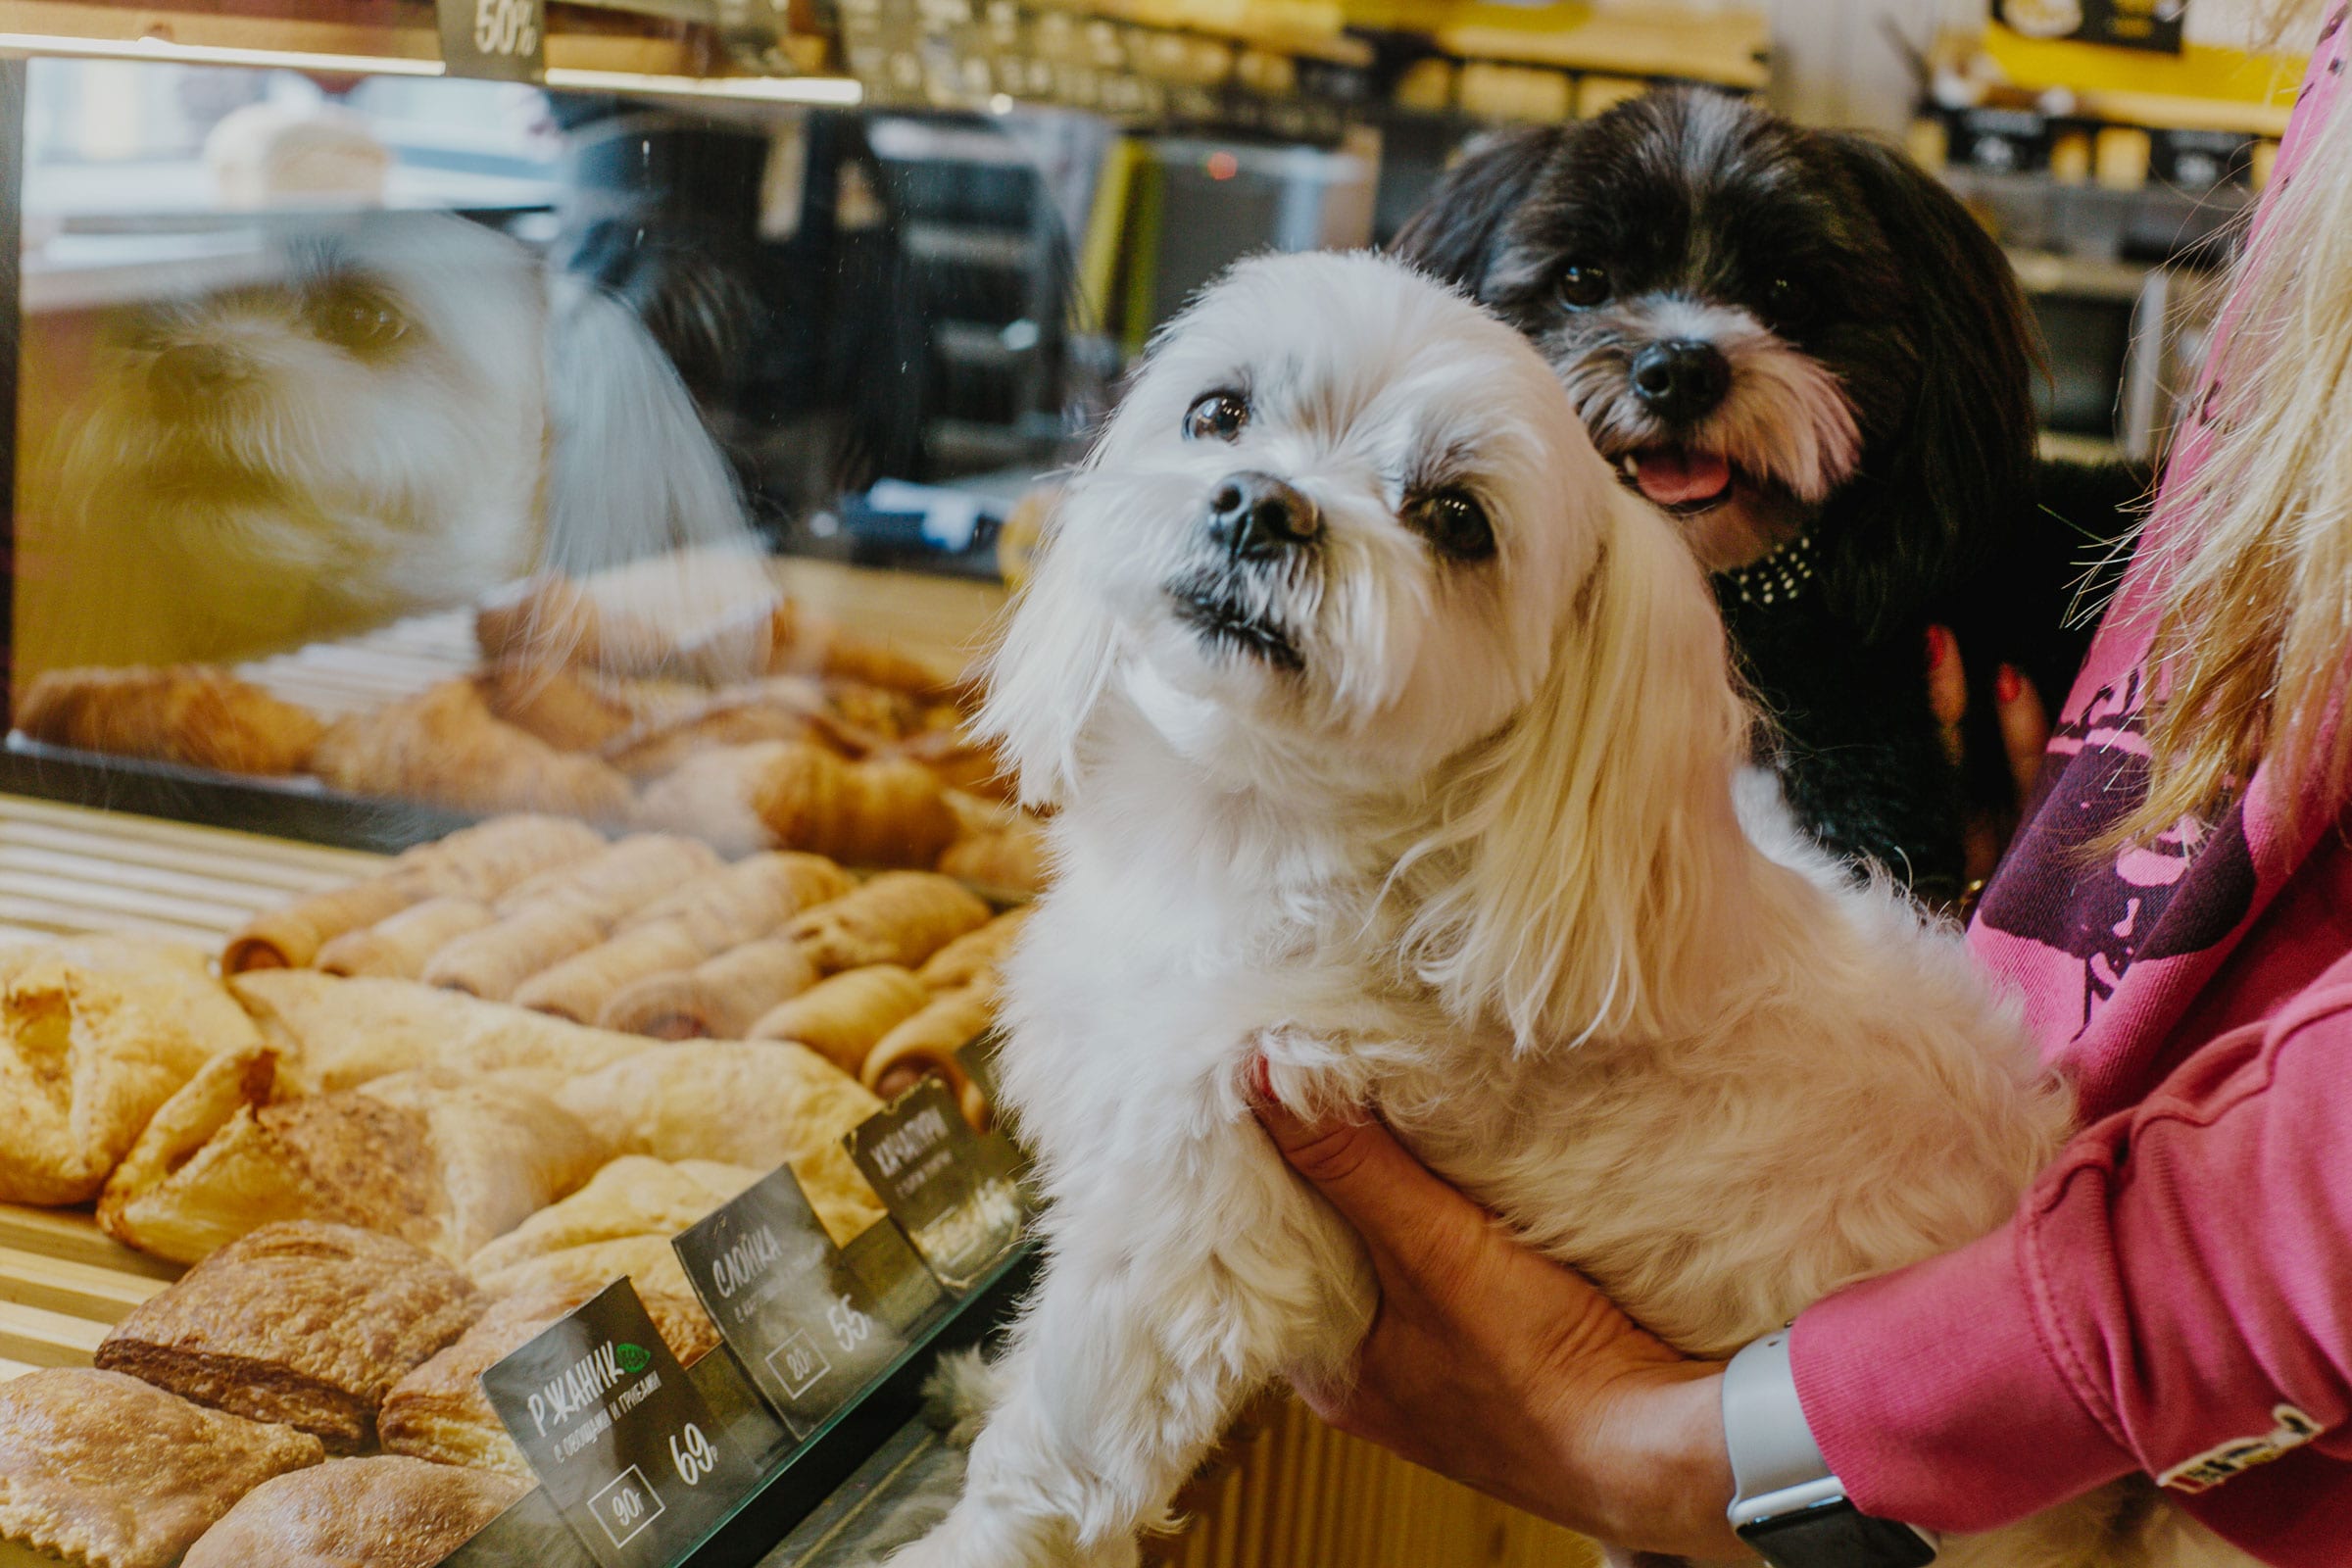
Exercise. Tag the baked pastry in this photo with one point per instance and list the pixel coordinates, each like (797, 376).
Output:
(899, 917)
(305, 1325)
(578, 987)
(438, 1411)
(961, 762)
(442, 1163)
(444, 747)
(1011, 859)
(759, 1103)
(630, 874)
(579, 710)
(728, 628)
(841, 1017)
(388, 1511)
(859, 813)
(973, 955)
(711, 794)
(398, 946)
(929, 1041)
(331, 1033)
(99, 1470)
(632, 1196)
(553, 916)
(476, 862)
(781, 707)
(94, 1036)
(720, 997)
(192, 714)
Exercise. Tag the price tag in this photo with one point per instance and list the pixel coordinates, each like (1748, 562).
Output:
(501, 39)
(809, 1324)
(955, 1195)
(623, 1441)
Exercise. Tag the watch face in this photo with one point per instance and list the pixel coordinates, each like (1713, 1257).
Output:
(1835, 1535)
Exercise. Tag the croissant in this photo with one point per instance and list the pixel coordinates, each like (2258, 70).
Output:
(573, 711)
(974, 955)
(899, 917)
(398, 946)
(551, 621)
(186, 714)
(1011, 859)
(444, 747)
(720, 997)
(772, 708)
(841, 1017)
(930, 1041)
(860, 813)
(564, 911)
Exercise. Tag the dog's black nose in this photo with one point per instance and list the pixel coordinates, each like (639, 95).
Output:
(1256, 515)
(1680, 379)
(194, 371)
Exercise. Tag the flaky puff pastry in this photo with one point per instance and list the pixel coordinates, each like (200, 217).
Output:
(305, 1325)
(99, 1470)
(398, 947)
(477, 862)
(841, 1016)
(95, 1035)
(575, 711)
(720, 998)
(192, 714)
(632, 1196)
(974, 955)
(899, 917)
(727, 631)
(860, 813)
(757, 1103)
(1009, 860)
(931, 1041)
(444, 747)
(568, 911)
(386, 1511)
(438, 1411)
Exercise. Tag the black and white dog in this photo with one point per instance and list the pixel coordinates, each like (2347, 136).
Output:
(1802, 347)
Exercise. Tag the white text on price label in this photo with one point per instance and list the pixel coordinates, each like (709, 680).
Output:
(503, 39)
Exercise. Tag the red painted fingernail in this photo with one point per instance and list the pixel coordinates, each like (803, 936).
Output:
(2007, 684)
(1940, 647)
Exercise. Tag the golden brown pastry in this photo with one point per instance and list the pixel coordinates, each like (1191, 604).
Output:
(929, 1042)
(387, 1511)
(397, 947)
(578, 987)
(444, 747)
(974, 955)
(99, 1470)
(570, 711)
(438, 1411)
(632, 1196)
(95, 1035)
(760, 1104)
(840, 1018)
(899, 917)
(553, 620)
(749, 899)
(784, 707)
(628, 875)
(305, 1325)
(566, 911)
(709, 795)
(859, 813)
(961, 762)
(192, 714)
(1010, 860)
(331, 1033)
(648, 1262)
(720, 997)
(443, 1163)
(822, 647)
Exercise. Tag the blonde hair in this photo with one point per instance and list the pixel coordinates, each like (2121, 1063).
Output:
(2251, 642)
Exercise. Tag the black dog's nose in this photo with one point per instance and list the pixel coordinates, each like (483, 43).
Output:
(1680, 379)
(194, 371)
(1258, 515)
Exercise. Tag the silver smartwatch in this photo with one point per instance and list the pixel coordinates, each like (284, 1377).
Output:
(1786, 1505)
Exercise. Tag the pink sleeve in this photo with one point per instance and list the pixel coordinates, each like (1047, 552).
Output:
(2178, 1283)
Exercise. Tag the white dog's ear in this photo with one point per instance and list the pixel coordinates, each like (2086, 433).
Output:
(1581, 848)
(1046, 671)
(630, 469)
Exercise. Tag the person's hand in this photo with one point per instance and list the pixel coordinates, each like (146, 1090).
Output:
(2024, 728)
(1490, 1363)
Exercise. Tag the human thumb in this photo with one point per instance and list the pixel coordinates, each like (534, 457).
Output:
(1375, 1183)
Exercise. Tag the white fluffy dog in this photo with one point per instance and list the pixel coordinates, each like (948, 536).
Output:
(413, 412)
(1394, 742)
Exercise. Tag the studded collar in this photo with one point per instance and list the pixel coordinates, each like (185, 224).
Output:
(1777, 578)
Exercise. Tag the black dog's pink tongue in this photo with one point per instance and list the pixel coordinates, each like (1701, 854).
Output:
(1673, 478)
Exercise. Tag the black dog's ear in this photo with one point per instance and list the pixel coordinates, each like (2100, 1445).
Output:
(1453, 234)
(1932, 499)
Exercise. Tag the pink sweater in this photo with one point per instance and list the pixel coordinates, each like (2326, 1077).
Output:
(2174, 1297)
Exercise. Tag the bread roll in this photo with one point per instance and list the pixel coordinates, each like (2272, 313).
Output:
(632, 1196)
(398, 946)
(974, 955)
(931, 1041)
(388, 1511)
(859, 813)
(99, 1470)
(720, 997)
(191, 714)
(899, 917)
(445, 748)
(1011, 859)
(840, 1018)
(95, 1036)
(305, 1325)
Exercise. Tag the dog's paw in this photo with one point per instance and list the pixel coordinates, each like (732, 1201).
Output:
(958, 1395)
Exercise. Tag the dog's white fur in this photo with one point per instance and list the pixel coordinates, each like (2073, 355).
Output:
(1489, 862)
(523, 418)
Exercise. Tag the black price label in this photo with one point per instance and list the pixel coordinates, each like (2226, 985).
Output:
(809, 1324)
(501, 39)
(2151, 25)
(955, 1195)
(623, 1440)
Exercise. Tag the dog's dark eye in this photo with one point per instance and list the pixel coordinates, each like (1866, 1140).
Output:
(1455, 522)
(1581, 287)
(354, 317)
(1786, 302)
(1220, 414)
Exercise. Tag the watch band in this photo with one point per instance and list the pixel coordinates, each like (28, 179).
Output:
(1787, 1504)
